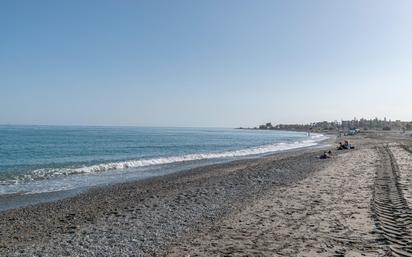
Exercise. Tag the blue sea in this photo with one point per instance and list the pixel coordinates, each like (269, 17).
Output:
(38, 159)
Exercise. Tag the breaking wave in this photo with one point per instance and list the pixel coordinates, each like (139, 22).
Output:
(47, 173)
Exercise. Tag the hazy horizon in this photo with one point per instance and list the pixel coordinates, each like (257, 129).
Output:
(204, 64)
(165, 126)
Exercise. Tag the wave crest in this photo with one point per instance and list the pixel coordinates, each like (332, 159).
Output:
(121, 165)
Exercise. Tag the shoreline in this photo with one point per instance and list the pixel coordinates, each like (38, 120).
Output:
(155, 210)
(18, 200)
(288, 203)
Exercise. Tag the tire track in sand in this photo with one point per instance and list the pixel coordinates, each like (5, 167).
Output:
(393, 215)
(407, 148)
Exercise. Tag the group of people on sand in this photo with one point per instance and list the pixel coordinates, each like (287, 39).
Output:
(345, 146)
(342, 146)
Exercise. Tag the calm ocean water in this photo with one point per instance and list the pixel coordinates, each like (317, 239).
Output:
(35, 159)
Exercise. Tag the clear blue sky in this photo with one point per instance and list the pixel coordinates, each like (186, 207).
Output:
(204, 63)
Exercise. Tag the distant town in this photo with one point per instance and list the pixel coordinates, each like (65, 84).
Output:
(344, 125)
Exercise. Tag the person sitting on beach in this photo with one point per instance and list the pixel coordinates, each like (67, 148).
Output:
(348, 146)
(345, 146)
(325, 155)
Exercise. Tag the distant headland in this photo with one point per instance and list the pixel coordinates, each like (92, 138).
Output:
(358, 124)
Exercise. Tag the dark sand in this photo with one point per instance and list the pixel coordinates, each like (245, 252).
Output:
(286, 204)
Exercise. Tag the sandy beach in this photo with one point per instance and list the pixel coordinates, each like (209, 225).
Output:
(356, 203)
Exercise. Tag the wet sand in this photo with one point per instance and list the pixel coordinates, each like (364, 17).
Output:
(286, 204)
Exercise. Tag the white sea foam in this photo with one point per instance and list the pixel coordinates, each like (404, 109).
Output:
(121, 165)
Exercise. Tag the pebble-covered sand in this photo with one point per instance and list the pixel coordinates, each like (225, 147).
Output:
(145, 218)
